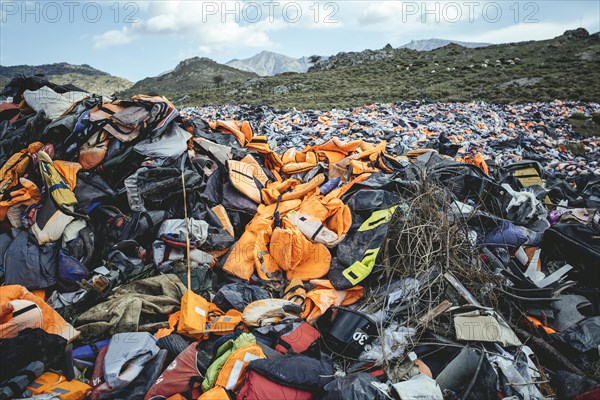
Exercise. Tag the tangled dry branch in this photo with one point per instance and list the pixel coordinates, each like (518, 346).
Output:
(424, 242)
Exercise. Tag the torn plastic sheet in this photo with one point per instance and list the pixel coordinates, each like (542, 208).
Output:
(522, 386)
(459, 210)
(134, 197)
(405, 289)
(523, 206)
(398, 295)
(360, 386)
(171, 144)
(221, 152)
(196, 256)
(568, 312)
(395, 339)
(419, 387)
(583, 337)
(176, 228)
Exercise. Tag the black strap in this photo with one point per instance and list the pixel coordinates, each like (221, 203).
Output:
(24, 310)
(352, 274)
(99, 139)
(377, 221)
(349, 172)
(274, 286)
(31, 375)
(243, 174)
(148, 219)
(285, 344)
(94, 348)
(257, 140)
(319, 229)
(276, 214)
(106, 110)
(14, 387)
(136, 221)
(293, 288)
(108, 121)
(274, 274)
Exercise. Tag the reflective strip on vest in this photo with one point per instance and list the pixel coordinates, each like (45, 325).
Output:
(359, 270)
(236, 371)
(379, 217)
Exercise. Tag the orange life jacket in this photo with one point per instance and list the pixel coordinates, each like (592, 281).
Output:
(295, 161)
(232, 373)
(477, 160)
(216, 393)
(193, 315)
(298, 190)
(272, 159)
(324, 296)
(243, 175)
(241, 130)
(58, 386)
(52, 322)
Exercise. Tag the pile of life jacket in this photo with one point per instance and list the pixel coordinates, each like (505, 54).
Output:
(149, 255)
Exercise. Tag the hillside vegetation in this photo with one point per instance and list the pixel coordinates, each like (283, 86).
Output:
(188, 77)
(83, 76)
(565, 67)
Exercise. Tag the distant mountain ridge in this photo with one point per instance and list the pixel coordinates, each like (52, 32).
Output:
(432, 44)
(356, 58)
(50, 69)
(268, 63)
(83, 76)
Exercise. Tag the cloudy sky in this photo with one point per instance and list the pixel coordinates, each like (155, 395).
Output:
(135, 39)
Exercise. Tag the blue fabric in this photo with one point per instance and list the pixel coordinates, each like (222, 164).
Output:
(506, 235)
(69, 269)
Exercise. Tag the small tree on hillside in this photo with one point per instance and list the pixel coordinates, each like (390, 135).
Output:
(218, 79)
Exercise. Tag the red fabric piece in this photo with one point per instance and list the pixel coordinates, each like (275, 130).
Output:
(593, 395)
(176, 378)
(257, 387)
(298, 340)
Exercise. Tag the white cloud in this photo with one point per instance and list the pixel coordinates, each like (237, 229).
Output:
(380, 12)
(162, 23)
(197, 21)
(227, 25)
(114, 37)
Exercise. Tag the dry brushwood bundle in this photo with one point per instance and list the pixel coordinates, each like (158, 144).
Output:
(424, 247)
